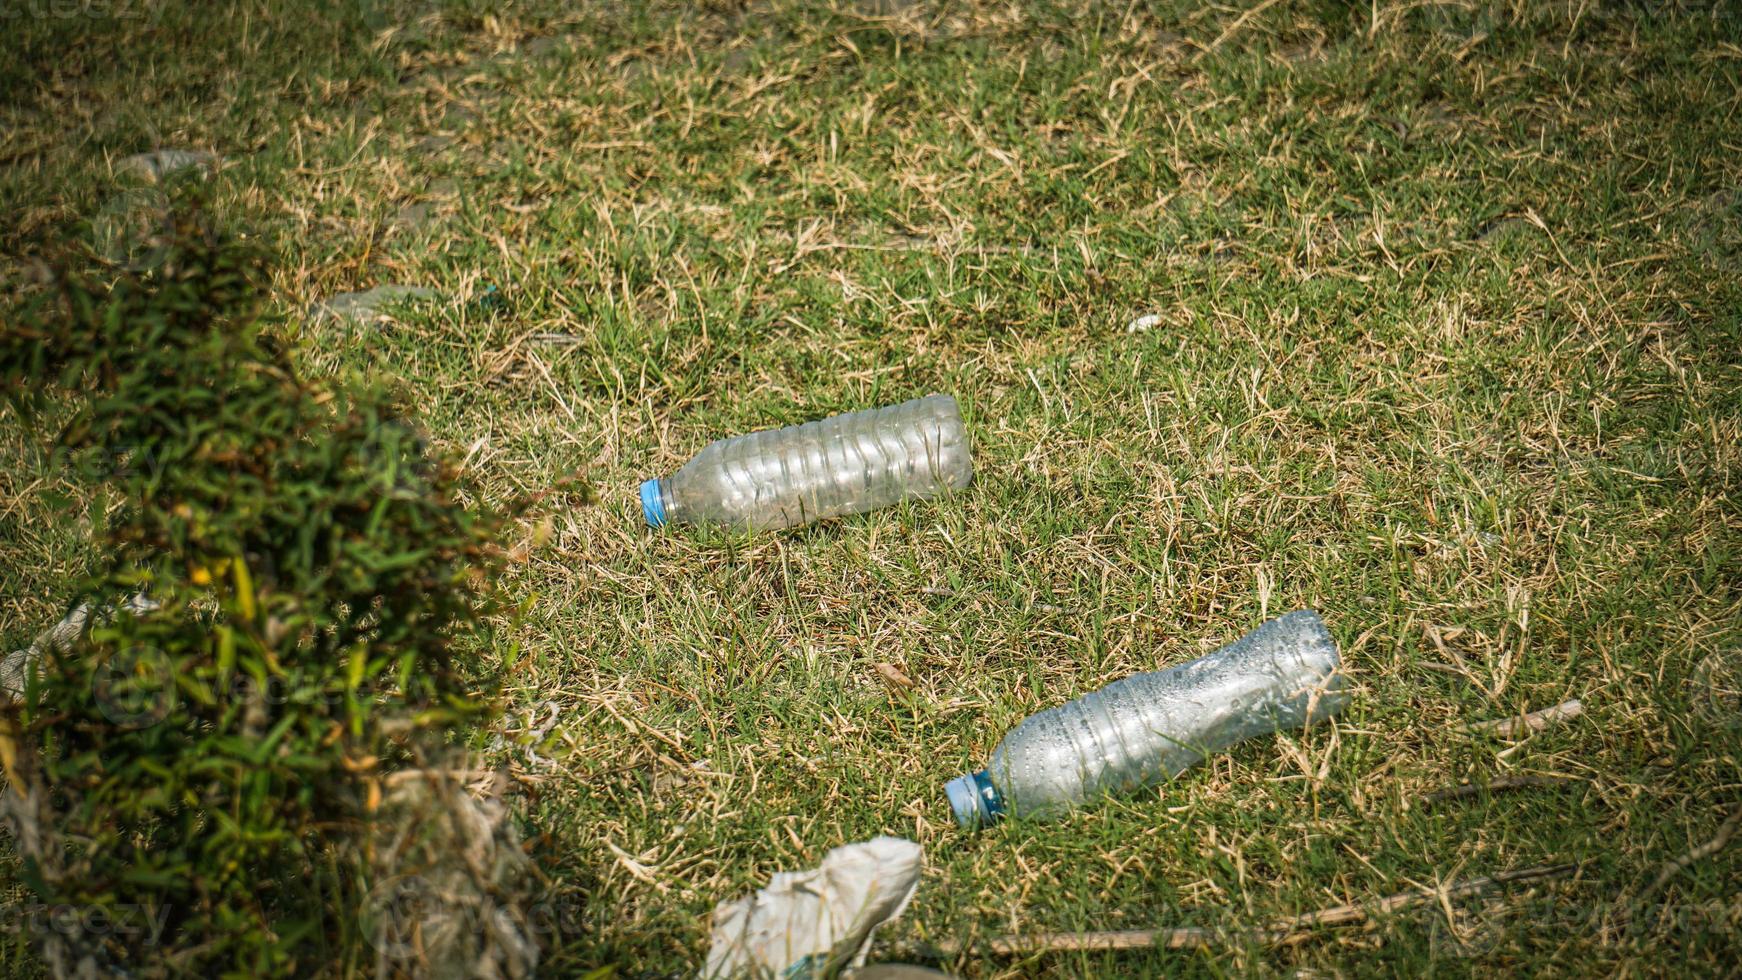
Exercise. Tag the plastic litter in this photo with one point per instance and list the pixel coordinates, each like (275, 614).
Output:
(847, 464)
(1149, 727)
(58, 640)
(810, 924)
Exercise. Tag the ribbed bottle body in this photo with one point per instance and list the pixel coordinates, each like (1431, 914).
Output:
(847, 464)
(1147, 728)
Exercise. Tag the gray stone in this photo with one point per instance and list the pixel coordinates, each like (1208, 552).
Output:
(1504, 229)
(538, 47)
(412, 216)
(366, 306)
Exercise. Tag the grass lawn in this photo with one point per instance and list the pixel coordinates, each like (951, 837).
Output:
(1445, 344)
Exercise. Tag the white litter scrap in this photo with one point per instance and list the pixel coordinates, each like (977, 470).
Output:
(1144, 323)
(811, 924)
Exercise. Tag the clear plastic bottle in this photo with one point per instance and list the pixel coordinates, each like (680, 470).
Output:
(842, 465)
(1148, 728)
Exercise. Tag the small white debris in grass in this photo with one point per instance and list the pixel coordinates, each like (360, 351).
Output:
(158, 164)
(1145, 322)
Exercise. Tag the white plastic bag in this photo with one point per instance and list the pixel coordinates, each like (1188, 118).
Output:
(810, 924)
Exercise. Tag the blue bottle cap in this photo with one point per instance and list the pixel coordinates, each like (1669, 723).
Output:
(653, 503)
(974, 799)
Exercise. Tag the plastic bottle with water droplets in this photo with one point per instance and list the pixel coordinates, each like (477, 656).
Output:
(1148, 728)
(847, 464)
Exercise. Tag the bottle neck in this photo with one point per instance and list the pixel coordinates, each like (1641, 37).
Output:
(656, 503)
(976, 802)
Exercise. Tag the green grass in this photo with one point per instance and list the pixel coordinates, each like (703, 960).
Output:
(1449, 349)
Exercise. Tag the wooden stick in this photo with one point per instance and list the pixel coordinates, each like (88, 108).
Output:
(1536, 721)
(1709, 848)
(1187, 937)
(1278, 931)
(1496, 786)
(1239, 22)
(1344, 914)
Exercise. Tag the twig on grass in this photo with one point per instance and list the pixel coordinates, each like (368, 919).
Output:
(1496, 786)
(1535, 721)
(1283, 930)
(1706, 850)
(1234, 28)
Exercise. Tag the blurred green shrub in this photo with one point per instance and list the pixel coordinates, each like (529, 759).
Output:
(207, 768)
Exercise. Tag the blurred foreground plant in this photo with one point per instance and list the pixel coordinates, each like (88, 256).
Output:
(214, 757)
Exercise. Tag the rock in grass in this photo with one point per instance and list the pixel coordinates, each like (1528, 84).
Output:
(158, 164)
(411, 217)
(367, 305)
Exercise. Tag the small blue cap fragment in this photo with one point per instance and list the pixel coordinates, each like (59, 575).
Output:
(963, 801)
(974, 799)
(653, 503)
